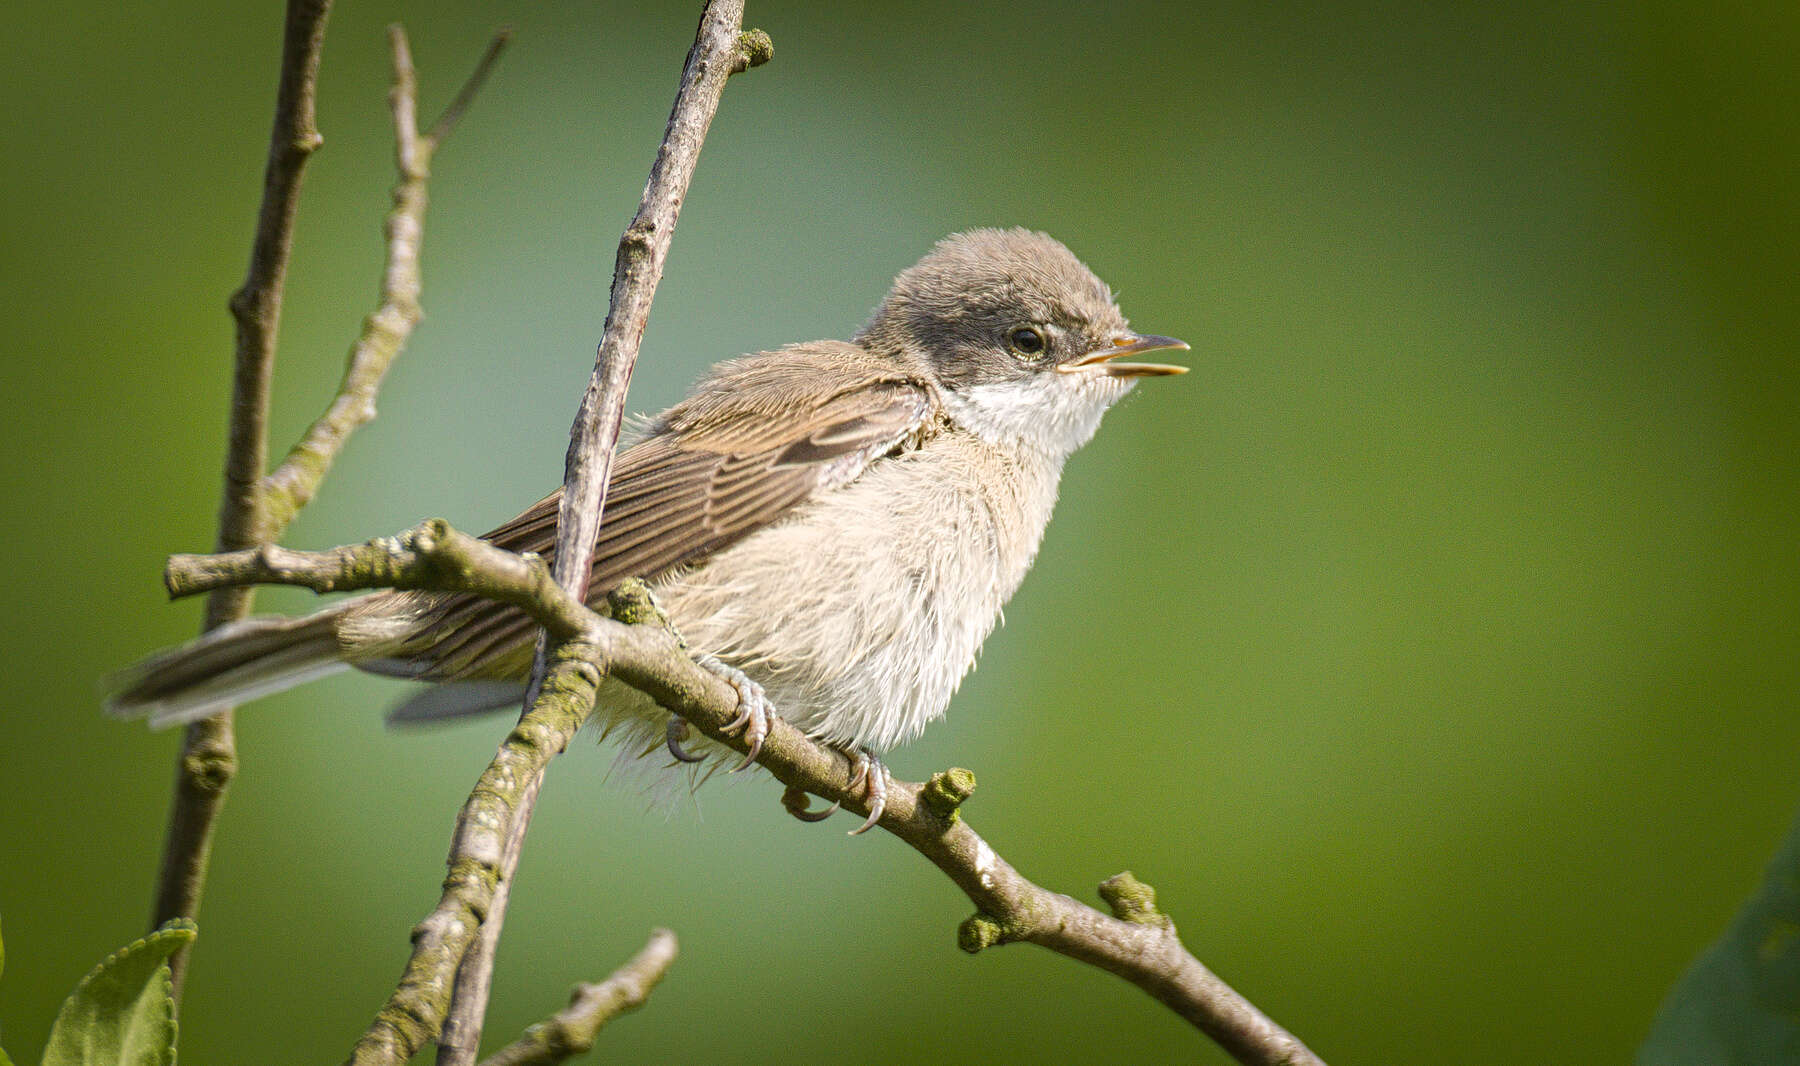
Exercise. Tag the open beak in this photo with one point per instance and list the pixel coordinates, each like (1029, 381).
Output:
(1129, 344)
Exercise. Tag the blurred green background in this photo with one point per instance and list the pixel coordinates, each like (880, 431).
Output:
(1455, 704)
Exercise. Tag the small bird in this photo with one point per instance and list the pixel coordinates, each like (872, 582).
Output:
(833, 526)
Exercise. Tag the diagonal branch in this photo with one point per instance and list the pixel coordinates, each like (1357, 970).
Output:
(1136, 942)
(573, 1030)
(720, 49)
(209, 749)
(291, 485)
(415, 1012)
(453, 112)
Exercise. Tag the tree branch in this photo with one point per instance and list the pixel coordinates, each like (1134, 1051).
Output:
(431, 555)
(385, 330)
(720, 49)
(434, 556)
(256, 508)
(414, 1013)
(453, 113)
(1137, 942)
(208, 759)
(572, 1030)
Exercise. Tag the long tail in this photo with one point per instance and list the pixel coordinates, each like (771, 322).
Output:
(235, 663)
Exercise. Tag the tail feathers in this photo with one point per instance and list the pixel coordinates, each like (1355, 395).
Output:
(454, 700)
(233, 664)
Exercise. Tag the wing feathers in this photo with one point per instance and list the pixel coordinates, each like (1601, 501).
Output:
(750, 444)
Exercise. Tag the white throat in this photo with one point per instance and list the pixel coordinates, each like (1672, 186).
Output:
(1053, 414)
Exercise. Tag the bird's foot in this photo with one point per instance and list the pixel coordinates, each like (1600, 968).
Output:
(799, 804)
(635, 603)
(755, 713)
(868, 776)
(872, 778)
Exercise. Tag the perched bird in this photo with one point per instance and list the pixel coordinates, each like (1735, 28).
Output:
(834, 526)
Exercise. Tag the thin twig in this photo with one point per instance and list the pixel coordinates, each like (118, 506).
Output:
(209, 750)
(466, 95)
(720, 49)
(386, 329)
(572, 1030)
(1136, 942)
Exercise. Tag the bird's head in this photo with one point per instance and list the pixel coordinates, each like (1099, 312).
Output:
(1022, 340)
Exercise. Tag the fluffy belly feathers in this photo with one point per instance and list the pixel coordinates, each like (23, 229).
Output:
(867, 646)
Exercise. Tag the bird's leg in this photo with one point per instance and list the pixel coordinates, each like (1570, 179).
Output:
(868, 775)
(634, 603)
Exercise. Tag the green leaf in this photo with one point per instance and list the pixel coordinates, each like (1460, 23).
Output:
(1740, 1001)
(123, 1012)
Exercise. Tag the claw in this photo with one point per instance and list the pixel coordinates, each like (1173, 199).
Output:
(867, 776)
(678, 730)
(758, 732)
(870, 773)
(816, 816)
(798, 804)
(754, 711)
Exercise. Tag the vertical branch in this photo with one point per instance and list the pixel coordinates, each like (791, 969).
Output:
(256, 305)
(209, 750)
(257, 508)
(721, 48)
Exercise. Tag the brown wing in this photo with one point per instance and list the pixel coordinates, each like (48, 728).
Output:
(710, 472)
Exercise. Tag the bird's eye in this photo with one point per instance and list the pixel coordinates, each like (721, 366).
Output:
(1028, 341)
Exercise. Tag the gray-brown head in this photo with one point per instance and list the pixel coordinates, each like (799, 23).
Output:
(1021, 336)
